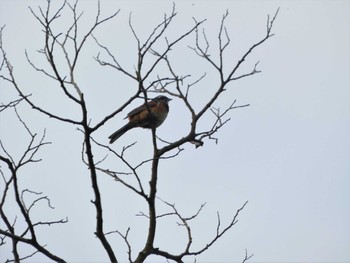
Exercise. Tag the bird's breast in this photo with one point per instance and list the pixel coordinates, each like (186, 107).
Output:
(160, 113)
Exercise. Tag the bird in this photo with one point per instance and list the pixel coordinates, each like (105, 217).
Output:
(149, 115)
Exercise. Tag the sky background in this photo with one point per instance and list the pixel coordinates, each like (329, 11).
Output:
(288, 154)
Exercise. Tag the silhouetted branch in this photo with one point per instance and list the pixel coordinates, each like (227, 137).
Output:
(23, 258)
(219, 122)
(125, 238)
(11, 187)
(187, 252)
(116, 64)
(11, 79)
(220, 232)
(203, 51)
(10, 104)
(246, 256)
(116, 175)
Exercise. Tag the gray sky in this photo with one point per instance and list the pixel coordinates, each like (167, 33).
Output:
(288, 154)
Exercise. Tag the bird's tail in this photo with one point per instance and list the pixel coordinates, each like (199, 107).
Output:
(114, 136)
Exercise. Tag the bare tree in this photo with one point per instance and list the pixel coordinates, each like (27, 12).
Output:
(155, 48)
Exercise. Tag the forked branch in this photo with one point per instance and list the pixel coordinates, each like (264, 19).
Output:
(10, 177)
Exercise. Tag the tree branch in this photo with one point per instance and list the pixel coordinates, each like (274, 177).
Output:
(12, 183)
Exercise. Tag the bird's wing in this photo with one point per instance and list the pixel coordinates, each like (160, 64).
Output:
(141, 108)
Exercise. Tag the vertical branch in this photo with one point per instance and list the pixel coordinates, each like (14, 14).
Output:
(151, 200)
(93, 174)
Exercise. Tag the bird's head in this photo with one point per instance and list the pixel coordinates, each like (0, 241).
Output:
(161, 98)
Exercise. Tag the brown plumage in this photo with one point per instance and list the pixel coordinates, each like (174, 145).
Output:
(144, 116)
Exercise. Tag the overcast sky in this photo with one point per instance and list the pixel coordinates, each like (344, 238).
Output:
(288, 154)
